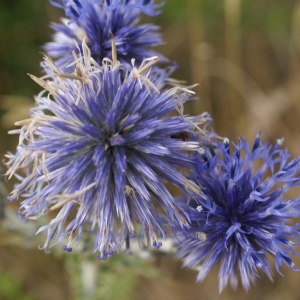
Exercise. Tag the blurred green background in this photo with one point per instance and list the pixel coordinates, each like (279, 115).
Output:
(245, 54)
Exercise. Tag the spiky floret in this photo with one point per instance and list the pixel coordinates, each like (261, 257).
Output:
(245, 215)
(101, 145)
(97, 23)
(146, 6)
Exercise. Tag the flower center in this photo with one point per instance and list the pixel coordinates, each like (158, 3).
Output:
(116, 140)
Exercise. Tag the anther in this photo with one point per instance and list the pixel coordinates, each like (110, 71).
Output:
(201, 236)
(101, 257)
(199, 208)
(280, 141)
(157, 245)
(201, 151)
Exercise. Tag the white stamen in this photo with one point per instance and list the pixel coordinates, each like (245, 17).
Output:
(201, 150)
(226, 140)
(201, 236)
(280, 141)
(129, 190)
(199, 208)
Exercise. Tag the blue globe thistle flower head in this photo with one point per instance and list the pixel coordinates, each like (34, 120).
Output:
(244, 216)
(97, 23)
(99, 147)
(78, 8)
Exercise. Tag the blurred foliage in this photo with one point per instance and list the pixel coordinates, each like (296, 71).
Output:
(24, 28)
(246, 56)
(10, 289)
(115, 279)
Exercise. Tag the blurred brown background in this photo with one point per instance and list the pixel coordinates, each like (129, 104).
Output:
(245, 54)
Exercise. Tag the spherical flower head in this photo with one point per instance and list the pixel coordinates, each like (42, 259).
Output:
(98, 149)
(244, 215)
(97, 23)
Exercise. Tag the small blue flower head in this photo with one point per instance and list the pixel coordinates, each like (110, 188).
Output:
(97, 23)
(244, 216)
(77, 8)
(98, 149)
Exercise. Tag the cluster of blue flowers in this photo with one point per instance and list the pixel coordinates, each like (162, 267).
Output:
(101, 145)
